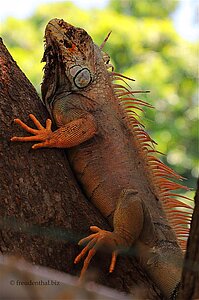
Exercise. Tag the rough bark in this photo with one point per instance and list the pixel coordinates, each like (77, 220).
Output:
(43, 210)
(190, 275)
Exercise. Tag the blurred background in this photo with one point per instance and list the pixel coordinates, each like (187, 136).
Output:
(152, 41)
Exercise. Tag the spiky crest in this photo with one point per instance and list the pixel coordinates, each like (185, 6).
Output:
(178, 213)
(105, 40)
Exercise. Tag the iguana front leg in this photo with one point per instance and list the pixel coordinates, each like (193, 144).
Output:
(69, 135)
(128, 223)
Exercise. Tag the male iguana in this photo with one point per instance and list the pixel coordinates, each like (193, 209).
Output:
(111, 155)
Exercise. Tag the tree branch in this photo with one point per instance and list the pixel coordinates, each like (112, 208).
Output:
(190, 275)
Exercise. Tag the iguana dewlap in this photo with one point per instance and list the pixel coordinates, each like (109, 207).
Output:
(111, 155)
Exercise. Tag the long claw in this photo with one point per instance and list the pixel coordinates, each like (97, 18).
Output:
(24, 138)
(91, 253)
(36, 122)
(40, 145)
(48, 124)
(84, 240)
(83, 252)
(113, 261)
(95, 228)
(25, 127)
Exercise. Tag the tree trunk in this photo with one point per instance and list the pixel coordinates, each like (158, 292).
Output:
(43, 210)
(190, 275)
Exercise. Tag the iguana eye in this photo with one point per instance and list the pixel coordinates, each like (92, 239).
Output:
(82, 78)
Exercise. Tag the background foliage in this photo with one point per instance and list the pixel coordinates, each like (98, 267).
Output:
(143, 45)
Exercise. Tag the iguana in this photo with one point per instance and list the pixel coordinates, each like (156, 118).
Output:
(111, 155)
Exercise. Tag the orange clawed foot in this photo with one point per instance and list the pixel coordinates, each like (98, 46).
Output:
(39, 134)
(101, 238)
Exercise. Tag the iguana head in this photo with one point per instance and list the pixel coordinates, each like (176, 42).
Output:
(69, 57)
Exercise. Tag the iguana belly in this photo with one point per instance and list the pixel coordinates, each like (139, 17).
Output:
(103, 169)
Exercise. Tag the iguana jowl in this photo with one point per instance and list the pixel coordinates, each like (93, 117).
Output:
(111, 155)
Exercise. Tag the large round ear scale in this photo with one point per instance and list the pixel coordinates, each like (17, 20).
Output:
(82, 78)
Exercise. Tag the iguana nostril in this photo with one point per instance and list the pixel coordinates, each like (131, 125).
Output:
(67, 44)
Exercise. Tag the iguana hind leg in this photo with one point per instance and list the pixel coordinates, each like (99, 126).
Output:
(127, 223)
